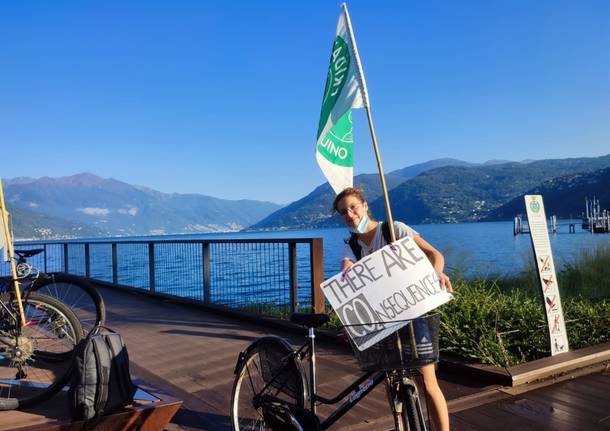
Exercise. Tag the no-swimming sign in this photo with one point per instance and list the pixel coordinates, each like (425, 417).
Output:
(382, 292)
(536, 218)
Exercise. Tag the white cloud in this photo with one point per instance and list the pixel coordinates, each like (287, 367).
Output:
(33, 204)
(132, 211)
(95, 211)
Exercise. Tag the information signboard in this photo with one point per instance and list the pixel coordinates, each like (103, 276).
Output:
(546, 273)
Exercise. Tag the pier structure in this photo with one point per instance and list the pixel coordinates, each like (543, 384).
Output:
(521, 226)
(594, 219)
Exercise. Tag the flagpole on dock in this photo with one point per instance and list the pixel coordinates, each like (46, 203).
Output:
(384, 188)
(367, 106)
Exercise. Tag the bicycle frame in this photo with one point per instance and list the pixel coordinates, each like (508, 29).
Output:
(359, 389)
(372, 378)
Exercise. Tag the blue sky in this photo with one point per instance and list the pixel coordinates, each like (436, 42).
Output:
(223, 98)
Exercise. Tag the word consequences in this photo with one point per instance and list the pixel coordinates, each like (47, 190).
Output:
(536, 219)
(381, 293)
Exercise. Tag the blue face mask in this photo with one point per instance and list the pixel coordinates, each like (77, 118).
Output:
(361, 228)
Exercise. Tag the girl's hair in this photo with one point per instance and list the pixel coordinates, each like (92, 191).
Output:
(350, 191)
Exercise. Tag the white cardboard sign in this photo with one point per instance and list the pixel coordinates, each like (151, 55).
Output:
(383, 291)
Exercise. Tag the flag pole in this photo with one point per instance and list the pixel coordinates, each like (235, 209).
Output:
(11, 254)
(365, 101)
(384, 188)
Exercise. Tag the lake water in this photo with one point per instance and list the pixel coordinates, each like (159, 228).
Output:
(476, 249)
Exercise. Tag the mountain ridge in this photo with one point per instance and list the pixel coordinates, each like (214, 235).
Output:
(563, 196)
(441, 191)
(111, 207)
(314, 209)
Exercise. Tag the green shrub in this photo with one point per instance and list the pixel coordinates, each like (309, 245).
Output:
(489, 324)
(483, 324)
(587, 321)
(588, 276)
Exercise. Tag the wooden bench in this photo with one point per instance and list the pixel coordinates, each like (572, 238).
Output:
(151, 411)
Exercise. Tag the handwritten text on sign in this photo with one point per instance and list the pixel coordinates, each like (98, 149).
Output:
(380, 293)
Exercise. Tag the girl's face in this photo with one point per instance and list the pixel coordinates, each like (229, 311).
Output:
(352, 209)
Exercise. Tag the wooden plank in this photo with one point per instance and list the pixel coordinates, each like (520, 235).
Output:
(576, 400)
(458, 423)
(578, 414)
(490, 417)
(543, 414)
(558, 364)
(145, 417)
(475, 400)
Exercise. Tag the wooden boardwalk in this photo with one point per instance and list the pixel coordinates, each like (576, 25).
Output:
(579, 404)
(190, 355)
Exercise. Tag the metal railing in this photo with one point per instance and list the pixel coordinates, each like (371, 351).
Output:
(261, 275)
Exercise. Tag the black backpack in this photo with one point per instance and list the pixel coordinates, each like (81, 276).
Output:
(101, 382)
(355, 246)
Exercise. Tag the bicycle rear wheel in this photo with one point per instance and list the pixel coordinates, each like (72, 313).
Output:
(78, 294)
(35, 360)
(268, 362)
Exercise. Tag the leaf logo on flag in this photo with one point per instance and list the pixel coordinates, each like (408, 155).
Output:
(337, 75)
(345, 89)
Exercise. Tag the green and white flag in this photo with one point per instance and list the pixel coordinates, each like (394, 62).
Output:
(345, 89)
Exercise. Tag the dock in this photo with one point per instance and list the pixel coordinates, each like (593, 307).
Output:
(594, 219)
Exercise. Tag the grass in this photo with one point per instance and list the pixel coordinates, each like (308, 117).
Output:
(502, 322)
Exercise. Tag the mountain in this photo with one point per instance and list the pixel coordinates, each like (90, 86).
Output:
(415, 170)
(27, 224)
(109, 207)
(314, 210)
(462, 194)
(563, 196)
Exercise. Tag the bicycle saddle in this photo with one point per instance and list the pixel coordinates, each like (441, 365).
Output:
(309, 320)
(29, 253)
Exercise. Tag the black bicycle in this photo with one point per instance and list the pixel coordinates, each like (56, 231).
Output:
(78, 294)
(272, 391)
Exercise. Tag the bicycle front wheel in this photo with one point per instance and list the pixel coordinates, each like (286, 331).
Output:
(78, 294)
(35, 360)
(269, 370)
(411, 415)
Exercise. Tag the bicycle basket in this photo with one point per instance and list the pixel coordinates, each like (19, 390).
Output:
(385, 355)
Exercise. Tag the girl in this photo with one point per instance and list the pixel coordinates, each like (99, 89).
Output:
(354, 209)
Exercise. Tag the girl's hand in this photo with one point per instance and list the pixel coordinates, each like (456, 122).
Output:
(445, 282)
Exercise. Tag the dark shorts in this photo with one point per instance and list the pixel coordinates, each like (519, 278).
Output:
(423, 339)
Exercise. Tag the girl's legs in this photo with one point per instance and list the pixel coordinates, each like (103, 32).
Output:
(437, 404)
